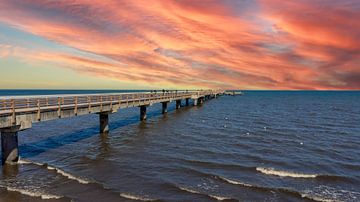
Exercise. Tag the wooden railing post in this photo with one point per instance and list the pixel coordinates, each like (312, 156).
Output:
(101, 105)
(13, 119)
(59, 107)
(38, 112)
(111, 99)
(89, 101)
(133, 99)
(127, 100)
(76, 105)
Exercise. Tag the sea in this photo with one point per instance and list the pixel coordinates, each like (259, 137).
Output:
(261, 146)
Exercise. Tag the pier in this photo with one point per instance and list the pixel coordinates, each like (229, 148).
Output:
(18, 113)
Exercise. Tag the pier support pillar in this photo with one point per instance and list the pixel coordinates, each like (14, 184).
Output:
(104, 122)
(195, 102)
(164, 107)
(201, 100)
(178, 104)
(142, 113)
(9, 145)
(187, 102)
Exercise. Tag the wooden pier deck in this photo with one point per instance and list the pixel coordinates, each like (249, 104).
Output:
(20, 112)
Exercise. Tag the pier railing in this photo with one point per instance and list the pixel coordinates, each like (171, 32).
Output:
(36, 103)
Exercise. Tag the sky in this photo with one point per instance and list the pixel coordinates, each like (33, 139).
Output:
(180, 44)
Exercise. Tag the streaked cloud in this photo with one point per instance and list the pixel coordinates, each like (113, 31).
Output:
(264, 44)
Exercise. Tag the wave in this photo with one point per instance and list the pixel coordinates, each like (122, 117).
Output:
(33, 193)
(272, 189)
(219, 198)
(316, 198)
(281, 173)
(283, 190)
(325, 193)
(246, 185)
(271, 171)
(234, 182)
(69, 176)
(133, 197)
(24, 161)
(268, 171)
(189, 190)
(58, 170)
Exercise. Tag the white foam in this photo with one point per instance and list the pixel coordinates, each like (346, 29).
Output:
(24, 161)
(61, 172)
(316, 198)
(34, 193)
(70, 176)
(219, 198)
(189, 190)
(133, 197)
(271, 171)
(324, 193)
(50, 168)
(235, 182)
(20, 161)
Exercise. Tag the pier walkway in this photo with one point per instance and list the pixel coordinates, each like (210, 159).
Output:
(19, 112)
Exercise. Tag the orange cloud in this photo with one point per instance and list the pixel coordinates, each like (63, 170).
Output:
(265, 44)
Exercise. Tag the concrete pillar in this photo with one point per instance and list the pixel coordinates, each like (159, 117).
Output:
(9, 146)
(200, 100)
(195, 102)
(178, 104)
(142, 113)
(164, 107)
(104, 122)
(187, 102)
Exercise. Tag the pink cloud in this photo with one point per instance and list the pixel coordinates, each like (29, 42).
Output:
(266, 44)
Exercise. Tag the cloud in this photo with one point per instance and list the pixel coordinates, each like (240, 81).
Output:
(264, 44)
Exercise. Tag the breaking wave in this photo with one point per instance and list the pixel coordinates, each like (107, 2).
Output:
(281, 173)
(58, 170)
(33, 193)
(134, 197)
(219, 198)
(288, 191)
(234, 182)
